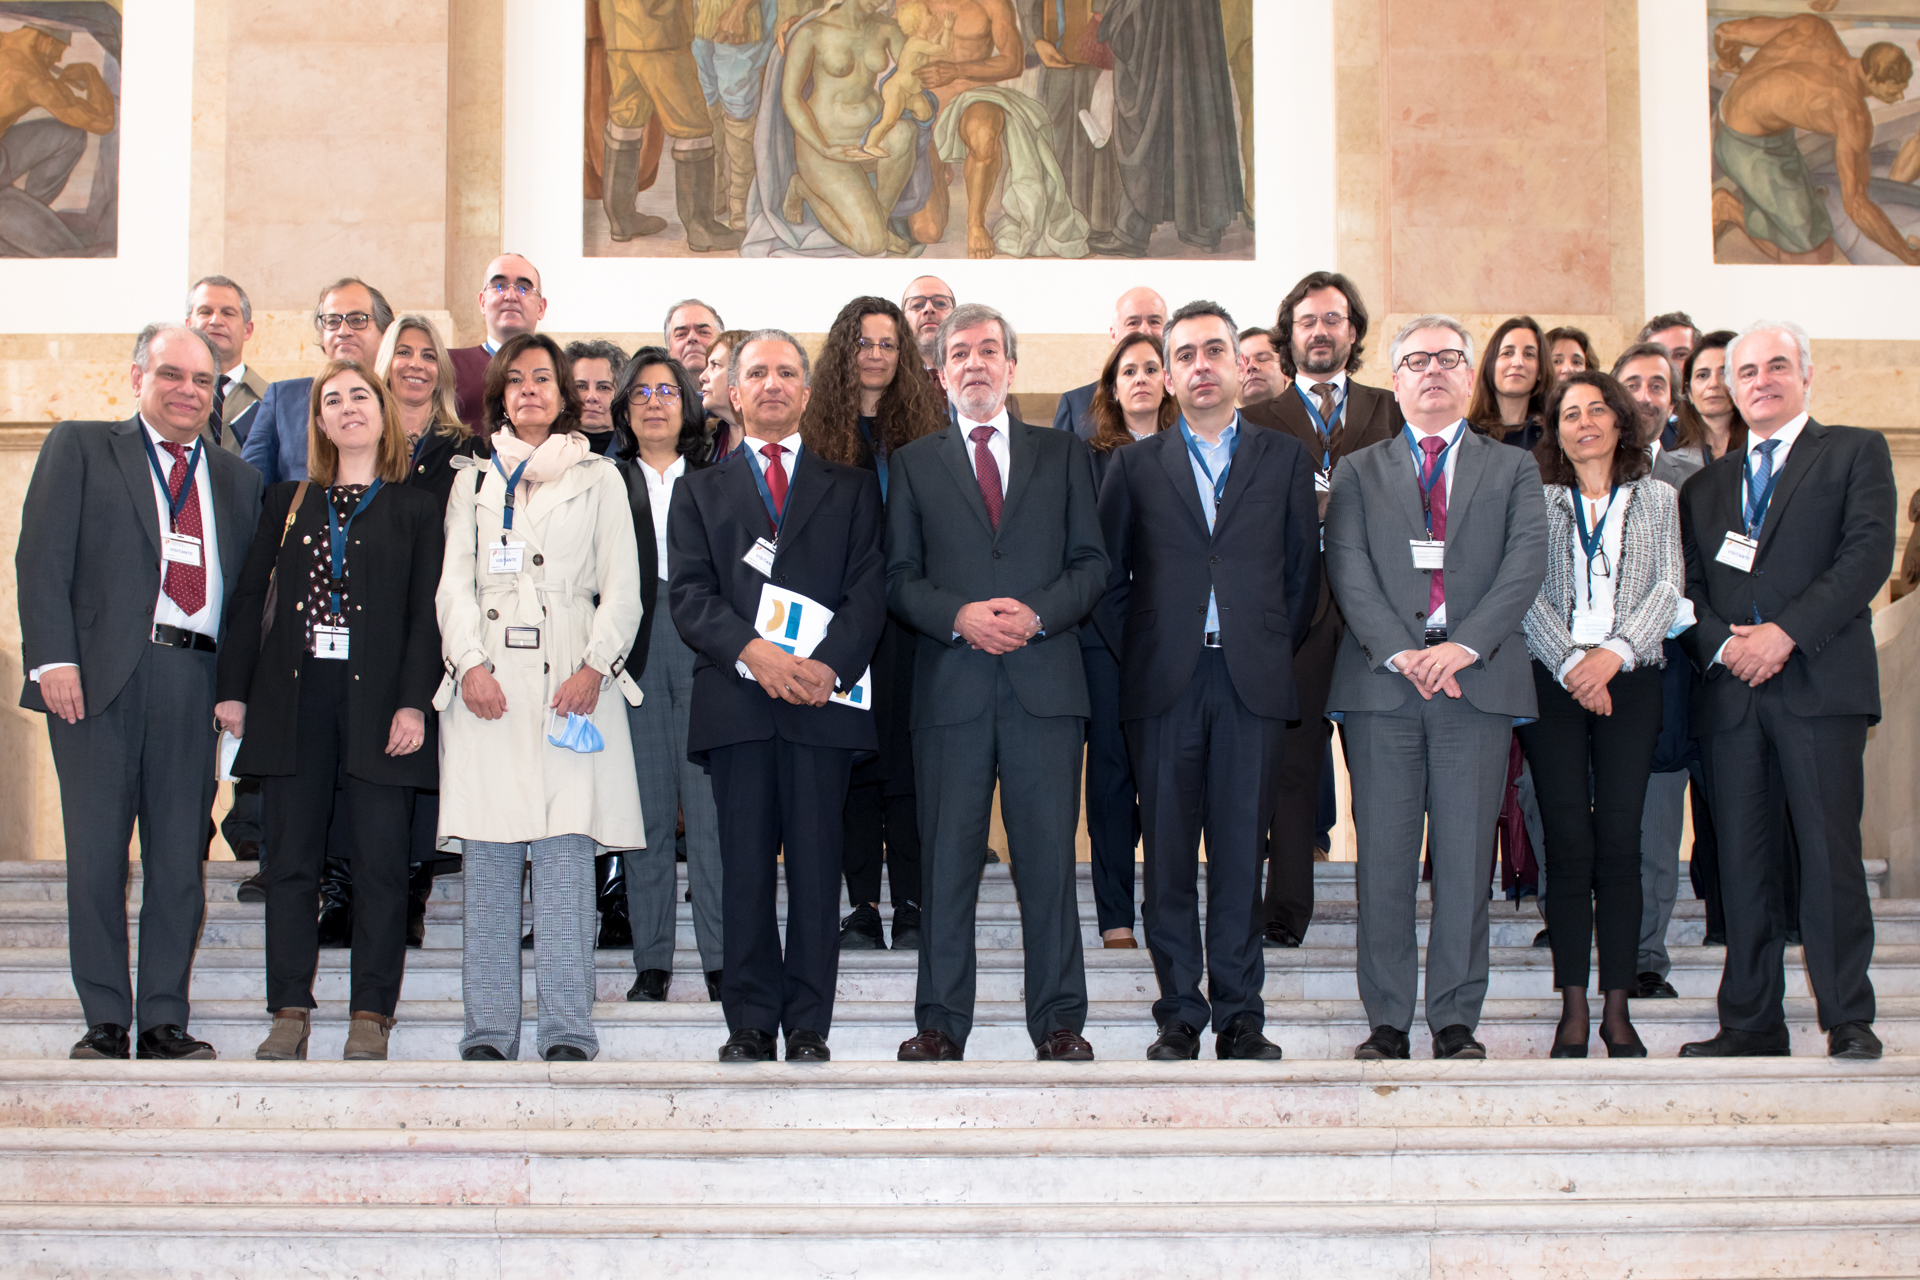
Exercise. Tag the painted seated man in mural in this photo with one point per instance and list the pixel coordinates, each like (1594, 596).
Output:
(1801, 77)
(45, 151)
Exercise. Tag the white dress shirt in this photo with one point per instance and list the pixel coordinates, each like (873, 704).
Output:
(659, 495)
(1219, 457)
(1593, 593)
(1786, 436)
(787, 460)
(1416, 459)
(996, 443)
(233, 377)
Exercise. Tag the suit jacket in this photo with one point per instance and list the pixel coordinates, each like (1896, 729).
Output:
(830, 550)
(1496, 559)
(393, 568)
(1075, 411)
(1825, 548)
(942, 553)
(1372, 415)
(236, 418)
(88, 562)
(642, 503)
(469, 384)
(276, 443)
(433, 465)
(1261, 562)
(1101, 630)
(1677, 466)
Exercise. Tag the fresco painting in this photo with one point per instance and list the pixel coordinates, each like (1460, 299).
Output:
(59, 128)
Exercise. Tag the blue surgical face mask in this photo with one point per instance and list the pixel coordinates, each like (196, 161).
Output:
(579, 735)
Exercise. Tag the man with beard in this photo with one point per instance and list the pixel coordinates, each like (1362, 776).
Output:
(1318, 334)
(1138, 310)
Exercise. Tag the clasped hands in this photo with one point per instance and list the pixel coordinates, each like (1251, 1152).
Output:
(578, 694)
(996, 626)
(1757, 653)
(804, 682)
(1588, 680)
(1432, 670)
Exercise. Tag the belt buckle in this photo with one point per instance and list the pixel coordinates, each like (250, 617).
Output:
(1210, 640)
(1436, 635)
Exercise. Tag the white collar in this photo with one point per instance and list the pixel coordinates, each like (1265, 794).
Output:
(1786, 435)
(791, 444)
(1338, 378)
(1450, 434)
(236, 375)
(675, 469)
(998, 421)
(1653, 450)
(160, 442)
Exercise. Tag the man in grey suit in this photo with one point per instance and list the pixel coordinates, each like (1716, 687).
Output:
(995, 556)
(131, 541)
(1436, 545)
(1138, 310)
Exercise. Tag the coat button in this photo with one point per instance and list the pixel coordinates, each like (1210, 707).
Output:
(493, 615)
(356, 677)
(1213, 559)
(545, 669)
(539, 559)
(996, 555)
(299, 604)
(422, 469)
(308, 539)
(1419, 615)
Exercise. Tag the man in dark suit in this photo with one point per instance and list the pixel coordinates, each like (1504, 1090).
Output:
(1214, 535)
(351, 318)
(131, 541)
(1787, 542)
(995, 556)
(220, 309)
(1138, 310)
(779, 751)
(510, 303)
(1437, 544)
(1319, 335)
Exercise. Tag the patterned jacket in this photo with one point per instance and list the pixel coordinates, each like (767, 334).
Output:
(1648, 582)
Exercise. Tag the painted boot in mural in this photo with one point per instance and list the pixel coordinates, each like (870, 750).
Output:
(693, 187)
(739, 169)
(620, 186)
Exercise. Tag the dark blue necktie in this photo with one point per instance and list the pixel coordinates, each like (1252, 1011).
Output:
(1759, 488)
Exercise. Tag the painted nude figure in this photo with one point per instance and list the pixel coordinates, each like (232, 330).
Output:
(44, 152)
(929, 39)
(987, 50)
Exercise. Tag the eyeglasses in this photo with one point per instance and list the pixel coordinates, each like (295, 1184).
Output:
(642, 393)
(354, 320)
(932, 302)
(1331, 319)
(1419, 360)
(886, 345)
(518, 288)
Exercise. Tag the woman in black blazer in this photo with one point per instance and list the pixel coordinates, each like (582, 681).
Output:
(339, 685)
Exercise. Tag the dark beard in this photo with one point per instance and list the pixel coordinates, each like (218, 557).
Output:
(1327, 360)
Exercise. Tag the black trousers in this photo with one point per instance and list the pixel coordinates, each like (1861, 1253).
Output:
(774, 795)
(881, 828)
(1295, 824)
(1207, 764)
(1776, 775)
(1703, 865)
(1590, 773)
(299, 810)
(1113, 802)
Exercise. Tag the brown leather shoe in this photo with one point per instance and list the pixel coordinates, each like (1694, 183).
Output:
(1063, 1046)
(931, 1045)
(1126, 944)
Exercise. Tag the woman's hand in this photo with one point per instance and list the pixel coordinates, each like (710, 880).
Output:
(1587, 682)
(231, 716)
(483, 694)
(580, 694)
(409, 731)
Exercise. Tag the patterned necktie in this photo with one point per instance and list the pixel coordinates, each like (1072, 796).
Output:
(988, 473)
(1756, 486)
(219, 406)
(1432, 445)
(776, 477)
(1334, 429)
(186, 584)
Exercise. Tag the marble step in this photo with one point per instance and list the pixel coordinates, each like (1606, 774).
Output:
(1306, 973)
(693, 1031)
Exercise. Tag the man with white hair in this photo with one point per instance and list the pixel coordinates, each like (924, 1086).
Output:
(1787, 543)
(1436, 545)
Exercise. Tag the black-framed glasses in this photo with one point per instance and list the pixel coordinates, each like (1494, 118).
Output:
(887, 346)
(932, 302)
(354, 320)
(667, 391)
(1331, 319)
(1452, 358)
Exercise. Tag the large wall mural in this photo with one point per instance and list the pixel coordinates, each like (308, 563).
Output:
(919, 128)
(59, 128)
(1816, 145)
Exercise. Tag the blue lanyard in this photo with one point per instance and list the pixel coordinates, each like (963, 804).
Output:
(777, 520)
(1219, 482)
(1759, 506)
(1439, 472)
(176, 505)
(1591, 542)
(1321, 425)
(878, 450)
(513, 483)
(337, 542)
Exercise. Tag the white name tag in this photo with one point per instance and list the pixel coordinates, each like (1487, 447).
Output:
(1428, 555)
(1589, 629)
(330, 642)
(180, 548)
(1323, 482)
(510, 558)
(1738, 550)
(760, 558)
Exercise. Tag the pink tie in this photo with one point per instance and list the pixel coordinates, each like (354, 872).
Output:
(186, 584)
(776, 476)
(988, 473)
(1437, 592)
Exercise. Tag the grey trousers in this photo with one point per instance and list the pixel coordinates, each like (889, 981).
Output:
(670, 786)
(1661, 822)
(564, 926)
(1443, 763)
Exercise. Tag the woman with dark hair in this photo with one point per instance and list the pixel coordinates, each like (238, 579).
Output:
(867, 402)
(662, 430)
(1510, 395)
(1130, 402)
(539, 601)
(1571, 351)
(1613, 588)
(1709, 422)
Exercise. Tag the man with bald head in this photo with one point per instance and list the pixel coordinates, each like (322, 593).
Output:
(512, 304)
(927, 301)
(1139, 310)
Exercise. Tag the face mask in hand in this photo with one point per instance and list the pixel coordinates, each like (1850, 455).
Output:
(579, 735)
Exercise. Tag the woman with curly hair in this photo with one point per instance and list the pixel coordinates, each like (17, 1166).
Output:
(867, 402)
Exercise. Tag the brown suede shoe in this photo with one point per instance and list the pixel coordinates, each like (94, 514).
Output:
(287, 1041)
(367, 1037)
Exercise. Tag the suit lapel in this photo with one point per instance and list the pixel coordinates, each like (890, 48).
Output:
(744, 492)
(1020, 452)
(129, 448)
(1468, 469)
(810, 484)
(1179, 466)
(1290, 415)
(1246, 460)
(1806, 450)
(1403, 481)
(953, 451)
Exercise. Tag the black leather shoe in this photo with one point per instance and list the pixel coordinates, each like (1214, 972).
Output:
(1854, 1040)
(713, 984)
(1063, 1046)
(931, 1045)
(1384, 1043)
(1714, 940)
(747, 1045)
(1278, 935)
(1177, 1042)
(336, 926)
(109, 1040)
(482, 1053)
(170, 1043)
(906, 927)
(1740, 1044)
(1457, 1041)
(1541, 939)
(253, 889)
(808, 1046)
(1241, 1038)
(1634, 1047)
(567, 1053)
(860, 931)
(649, 984)
(610, 898)
(1654, 987)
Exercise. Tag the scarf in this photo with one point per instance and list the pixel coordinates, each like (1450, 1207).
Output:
(551, 460)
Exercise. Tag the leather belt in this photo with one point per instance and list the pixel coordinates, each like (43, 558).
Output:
(1436, 635)
(181, 638)
(1211, 640)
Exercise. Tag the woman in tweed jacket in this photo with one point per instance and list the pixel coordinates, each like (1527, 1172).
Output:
(1614, 581)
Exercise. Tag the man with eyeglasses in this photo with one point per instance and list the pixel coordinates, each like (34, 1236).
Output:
(927, 301)
(1317, 337)
(351, 318)
(510, 303)
(1437, 545)
(1138, 310)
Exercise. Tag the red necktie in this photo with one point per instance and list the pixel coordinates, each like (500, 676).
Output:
(776, 478)
(186, 585)
(1437, 500)
(988, 473)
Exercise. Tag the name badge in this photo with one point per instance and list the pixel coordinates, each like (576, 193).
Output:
(1323, 482)
(510, 558)
(523, 637)
(1738, 550)
(180, 548)
(1590, 630)
(760, 558)
(330, 642)
(1428, 555)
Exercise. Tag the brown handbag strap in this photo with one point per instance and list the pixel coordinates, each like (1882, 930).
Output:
(299, 496)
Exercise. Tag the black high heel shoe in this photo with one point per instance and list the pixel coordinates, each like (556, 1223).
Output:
(1567, 1049)
(1633, 1048)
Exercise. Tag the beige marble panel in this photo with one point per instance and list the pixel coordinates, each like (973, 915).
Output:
(337, 89)
(377, 22)
(474, 169)
(207, 217)
(1418, 27)
(1506, 269)
(1504, 94)
(1530, 183)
